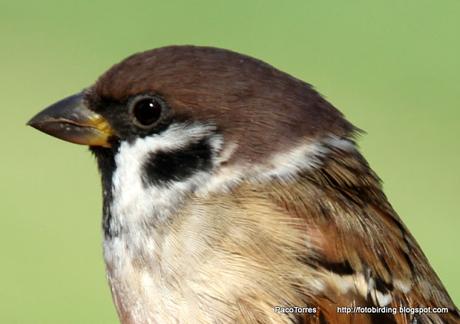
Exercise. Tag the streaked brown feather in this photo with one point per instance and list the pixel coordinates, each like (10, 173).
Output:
(352, 223)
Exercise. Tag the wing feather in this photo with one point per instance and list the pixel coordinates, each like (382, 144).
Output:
(365, 252)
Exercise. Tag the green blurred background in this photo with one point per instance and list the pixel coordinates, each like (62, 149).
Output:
(391, 66)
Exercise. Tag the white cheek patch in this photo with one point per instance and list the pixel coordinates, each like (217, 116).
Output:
(137, 204)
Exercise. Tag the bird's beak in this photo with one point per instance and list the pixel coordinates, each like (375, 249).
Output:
(70, 120)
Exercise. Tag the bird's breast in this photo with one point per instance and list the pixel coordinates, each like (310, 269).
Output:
(211, 262)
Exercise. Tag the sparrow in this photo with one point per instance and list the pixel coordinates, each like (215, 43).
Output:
(235, 193)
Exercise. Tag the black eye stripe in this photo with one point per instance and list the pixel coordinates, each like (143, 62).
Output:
(146, 111)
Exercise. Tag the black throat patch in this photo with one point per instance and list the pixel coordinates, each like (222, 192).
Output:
(106, 163)
(163, 167)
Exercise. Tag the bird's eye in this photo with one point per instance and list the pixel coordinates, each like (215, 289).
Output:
(146, 111)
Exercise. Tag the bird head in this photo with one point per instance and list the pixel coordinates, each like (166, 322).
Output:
(257, 109)
(202, 108)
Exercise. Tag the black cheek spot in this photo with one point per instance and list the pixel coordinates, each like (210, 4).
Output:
(168, 166)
